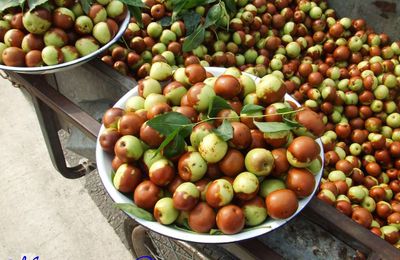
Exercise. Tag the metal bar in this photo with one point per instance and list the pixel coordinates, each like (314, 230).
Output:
(38, 87)
(348, 231)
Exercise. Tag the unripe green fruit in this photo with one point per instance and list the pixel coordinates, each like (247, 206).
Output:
(78, 10)
(55, 37)
(212, 148)
(160, 71)
(164, 211)
(255, 212)
(154, 30)
(37, 21)
(154, 99)
(86, 46)
(269, 185)
(245, 183)
(102, 32)
(70, 53)
(83, 25)
(115, 8)
(52, 55)
(2, 48)
(134, 103)
(259, 161)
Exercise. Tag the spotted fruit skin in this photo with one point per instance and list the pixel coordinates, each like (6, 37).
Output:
(212, 148)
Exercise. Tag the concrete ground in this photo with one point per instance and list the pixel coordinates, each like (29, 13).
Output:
(41, 213)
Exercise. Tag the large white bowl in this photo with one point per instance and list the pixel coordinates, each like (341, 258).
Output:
(70, 64)
(104, 168)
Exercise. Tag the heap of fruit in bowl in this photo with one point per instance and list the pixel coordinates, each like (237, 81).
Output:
(55, 32)
(212, 154)
(338, 67)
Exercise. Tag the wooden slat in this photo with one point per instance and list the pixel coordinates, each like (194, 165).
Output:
(348, 231)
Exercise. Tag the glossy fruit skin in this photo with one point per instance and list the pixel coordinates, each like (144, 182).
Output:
(13, 56)
(202, 218)
(164, 211)
(150, 136)
(191, 166)
(281, 204)
(127, 178)
(246, 186)
(212, 148)
(186, 196)
(129, 124)
(230, 219)
(302, 151)
(162, 172)
(63, 18)
(219, 193)
(232, 164)
(254, 211)
(311, 121)
(33, 59)
(128, 148)
(362, 217)
(146, 195)
(37, 21)
(281, 164)
(301, 181)
(227, 86)
(270, 89)
(259, 161)
(108, 139)
(241, 136)
(195, 73)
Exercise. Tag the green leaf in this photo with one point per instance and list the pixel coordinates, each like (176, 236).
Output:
(168, 122)
(194, 40)
(291, 122)
(177, 7)
(213, 15)
(86, 5)
(136, 211)
(166, 21)
(184, 229)
(216, 232)
(251, 108)
(287, 116)
(167, 140)
(191, 19)
(112, 175)
(35, 3)
(137, 13)
(216, 105)
(271, 127)
(5, 4)
(137, 3)
(176, 147)
(285, 110)
(225, 130)
(230, 6)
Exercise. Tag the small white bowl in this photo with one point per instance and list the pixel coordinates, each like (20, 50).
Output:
(70, 64)
(104, 168)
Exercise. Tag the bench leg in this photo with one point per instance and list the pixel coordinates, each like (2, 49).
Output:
(50, 126)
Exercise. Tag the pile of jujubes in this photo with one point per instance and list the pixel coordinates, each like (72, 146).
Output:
(222, 168)
(56, 32)
(338, 67)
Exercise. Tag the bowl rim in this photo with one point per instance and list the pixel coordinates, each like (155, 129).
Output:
(174, 233)
(73, 63)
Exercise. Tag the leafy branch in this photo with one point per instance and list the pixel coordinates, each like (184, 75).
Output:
(176, 127)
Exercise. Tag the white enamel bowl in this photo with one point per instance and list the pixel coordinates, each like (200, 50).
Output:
(104, 168)
(70, 64)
